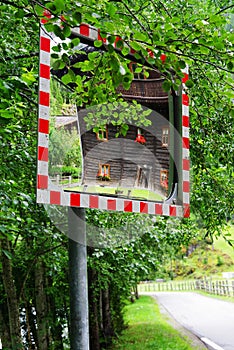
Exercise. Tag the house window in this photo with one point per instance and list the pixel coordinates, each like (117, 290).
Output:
(165, 137)
(102, 134)
(104, 172)
(164, 179)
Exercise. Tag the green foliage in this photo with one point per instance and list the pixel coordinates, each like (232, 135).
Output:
(203, 259)
(64, 148)
(119, 113)
(219, 261)
(196, 33)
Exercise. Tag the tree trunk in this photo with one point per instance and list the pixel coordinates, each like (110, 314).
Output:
(12, 300)
(93, 311)
(56, 328)
(4, 323)
(136, 292)
(41, 307)
(32, 330)
(106, 314)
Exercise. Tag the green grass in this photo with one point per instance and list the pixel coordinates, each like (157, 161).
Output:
(224, 298)
(222, 245)
(135, 192)
(149, 330)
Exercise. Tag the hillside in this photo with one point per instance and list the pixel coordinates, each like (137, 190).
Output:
(207, 259)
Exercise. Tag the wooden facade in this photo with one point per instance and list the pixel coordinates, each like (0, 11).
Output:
(122, 161)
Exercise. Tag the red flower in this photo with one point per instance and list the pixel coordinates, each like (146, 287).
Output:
(163, 57)
(140, 139)
(164, 184)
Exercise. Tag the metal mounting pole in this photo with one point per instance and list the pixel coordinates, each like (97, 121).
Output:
(79, 328)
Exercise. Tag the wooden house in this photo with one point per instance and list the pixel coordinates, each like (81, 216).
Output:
(141, 159)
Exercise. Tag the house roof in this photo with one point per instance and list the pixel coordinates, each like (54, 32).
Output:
(63, 120)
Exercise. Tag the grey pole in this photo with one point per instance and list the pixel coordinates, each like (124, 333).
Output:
(79, 328)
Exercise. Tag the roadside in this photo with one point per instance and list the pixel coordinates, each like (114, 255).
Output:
(195, 341)
(209, 319)
(150, 328)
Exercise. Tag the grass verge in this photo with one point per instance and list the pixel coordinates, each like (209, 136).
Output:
(134, 192)
(149, 330)
(230, 299)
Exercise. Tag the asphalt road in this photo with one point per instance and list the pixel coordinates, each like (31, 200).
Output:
(210, 319)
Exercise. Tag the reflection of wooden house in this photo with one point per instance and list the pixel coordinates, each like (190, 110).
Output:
(127, 161)
(141, 158)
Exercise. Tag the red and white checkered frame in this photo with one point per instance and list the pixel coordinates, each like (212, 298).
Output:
(48, 193)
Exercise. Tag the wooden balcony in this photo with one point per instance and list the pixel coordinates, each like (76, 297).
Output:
(145, 90)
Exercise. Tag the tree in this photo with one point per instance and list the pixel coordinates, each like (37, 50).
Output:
(194, 33)
(187, 32)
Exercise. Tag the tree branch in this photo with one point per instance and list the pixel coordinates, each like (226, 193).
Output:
(225, 9)
(134, 16)
(28, 99)
(32, 263)
(165, 9)
(32, 54)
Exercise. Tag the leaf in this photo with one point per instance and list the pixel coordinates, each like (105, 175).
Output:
(75, 42)
(39, 10)
(219, 45)
(66, 79)
(93, 55)
(182, 64)
(56, 48)
(166, 85)
(20, 14)
(66, 31)
(204, 50)
(28, 77)
(77, 16)
(111, 39)
(138, 70)
(140, 36)
(110, 48)
(189, 83)
(135, 46)
(98, 43)
(49, 27)
(51, 6)
(6, 114)
(60, 5)
(230, 65)
(59, 64)
(111, 9)
(119, 44)
(7, 254)
(125, 51)
(58, 31)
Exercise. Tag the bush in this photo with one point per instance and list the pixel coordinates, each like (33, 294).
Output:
(65, 171)
(70, 170)
(219, 261)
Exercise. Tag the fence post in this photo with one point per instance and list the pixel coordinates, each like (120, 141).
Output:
(227, 286)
